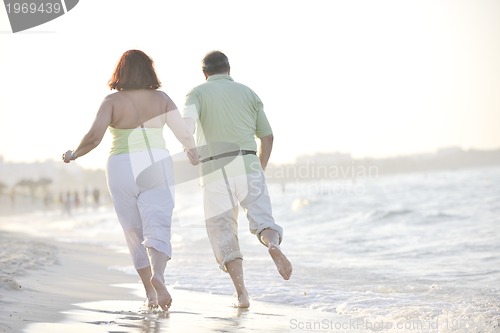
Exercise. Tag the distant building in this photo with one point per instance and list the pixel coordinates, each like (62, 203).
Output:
(449, 151)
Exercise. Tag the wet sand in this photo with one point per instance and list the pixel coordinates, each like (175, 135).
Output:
(66, 287)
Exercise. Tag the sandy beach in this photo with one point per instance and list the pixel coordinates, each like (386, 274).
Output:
(40, 279)
(52, 286)
(427, 263)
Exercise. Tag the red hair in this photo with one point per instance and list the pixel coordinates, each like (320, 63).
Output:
(134, 70)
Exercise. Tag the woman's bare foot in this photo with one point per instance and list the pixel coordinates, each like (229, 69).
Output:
(282, 263)
(163, 296)
(152, 300)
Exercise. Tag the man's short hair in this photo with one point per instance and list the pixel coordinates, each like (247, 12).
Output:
(215, 62)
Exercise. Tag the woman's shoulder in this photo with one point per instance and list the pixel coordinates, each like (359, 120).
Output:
(165, 97)
(113, 96)
(124, 97)
(162, 94)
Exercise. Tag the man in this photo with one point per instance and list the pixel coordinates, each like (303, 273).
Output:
(227, 116)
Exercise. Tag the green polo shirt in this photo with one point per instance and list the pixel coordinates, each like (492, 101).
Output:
(229, 115)
(228, 112)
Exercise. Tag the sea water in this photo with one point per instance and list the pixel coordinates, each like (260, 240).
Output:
(412, 251)
(416, 252)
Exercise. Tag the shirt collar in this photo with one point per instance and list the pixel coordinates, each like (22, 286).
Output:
(220, 77)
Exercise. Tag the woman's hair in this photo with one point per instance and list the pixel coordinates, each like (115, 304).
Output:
(134, 70)
(215, 62)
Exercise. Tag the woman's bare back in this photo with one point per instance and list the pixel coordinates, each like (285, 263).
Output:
(133, 108)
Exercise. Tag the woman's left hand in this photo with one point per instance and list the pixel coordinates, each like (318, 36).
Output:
(193, 155)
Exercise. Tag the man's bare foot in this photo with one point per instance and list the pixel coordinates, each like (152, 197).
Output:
(243, 301)
(163, 296)
(282, 263)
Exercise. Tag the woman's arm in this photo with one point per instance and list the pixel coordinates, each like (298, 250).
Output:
(176, 123)
(94, 136)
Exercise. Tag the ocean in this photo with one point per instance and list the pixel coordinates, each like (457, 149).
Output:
(417, 251)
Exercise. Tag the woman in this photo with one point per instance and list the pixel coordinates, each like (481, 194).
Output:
(139, 170)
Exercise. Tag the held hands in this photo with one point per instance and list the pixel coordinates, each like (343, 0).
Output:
(192, 154)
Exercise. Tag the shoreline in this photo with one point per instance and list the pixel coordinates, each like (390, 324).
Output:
(70, 273)
(73, 289)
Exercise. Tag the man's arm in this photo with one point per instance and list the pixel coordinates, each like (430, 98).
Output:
(191, 124)
(266, 146)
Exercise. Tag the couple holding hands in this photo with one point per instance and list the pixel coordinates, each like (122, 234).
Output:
(225, 117)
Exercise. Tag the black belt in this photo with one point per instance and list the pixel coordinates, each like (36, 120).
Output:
(231, 153)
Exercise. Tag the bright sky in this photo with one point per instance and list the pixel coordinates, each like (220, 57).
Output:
(370, 78)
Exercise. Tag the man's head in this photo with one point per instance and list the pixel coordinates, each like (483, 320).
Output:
(215, 62)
